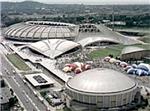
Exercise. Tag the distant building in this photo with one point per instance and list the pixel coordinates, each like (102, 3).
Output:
(86, 28)
(119, 23)
(5, 96)
(105, 21)
(101, 89)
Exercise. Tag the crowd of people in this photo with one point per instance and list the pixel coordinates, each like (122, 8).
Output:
(70, 63)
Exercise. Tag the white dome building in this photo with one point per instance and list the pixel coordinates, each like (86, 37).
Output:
(102, 88)
(39, 30)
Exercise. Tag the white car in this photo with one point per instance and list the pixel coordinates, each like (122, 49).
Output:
(35, 93)
(14, 72)
(48, 109)
(24, 81)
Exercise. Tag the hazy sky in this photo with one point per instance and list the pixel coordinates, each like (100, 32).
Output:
(91, 1)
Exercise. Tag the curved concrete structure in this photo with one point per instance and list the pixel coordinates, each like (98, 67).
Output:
(97, 41)
(39, 30)
(105, 33)
(53, 48)
(131, 49)
(134, 53)
(105, 88)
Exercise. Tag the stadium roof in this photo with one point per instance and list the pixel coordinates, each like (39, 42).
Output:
(101, 81)
(53, 47)
(39, 79)
(109, 34)
(90, 40)
(131, 49)
(117, 36)
(38, 30)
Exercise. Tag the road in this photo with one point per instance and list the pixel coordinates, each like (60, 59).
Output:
(23, 92)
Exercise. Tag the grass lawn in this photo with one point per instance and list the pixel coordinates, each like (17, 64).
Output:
(18, 62)
(114, 50)
(104, 52)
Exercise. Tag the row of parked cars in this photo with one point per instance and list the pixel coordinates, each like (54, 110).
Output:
(53, 98)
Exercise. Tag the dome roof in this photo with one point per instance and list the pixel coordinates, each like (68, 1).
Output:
(100, 80)
(37, 30)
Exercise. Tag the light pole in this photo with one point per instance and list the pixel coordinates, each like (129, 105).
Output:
(113, 17)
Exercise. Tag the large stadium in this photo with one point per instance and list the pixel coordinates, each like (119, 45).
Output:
(32, 31)
(102, 88)
(39, 30)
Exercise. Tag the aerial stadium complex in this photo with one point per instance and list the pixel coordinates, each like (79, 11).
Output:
(57, 50)
(101, 88)
(39, 30)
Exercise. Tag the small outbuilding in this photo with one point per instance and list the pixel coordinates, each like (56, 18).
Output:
(134, 53)
(39, 80)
